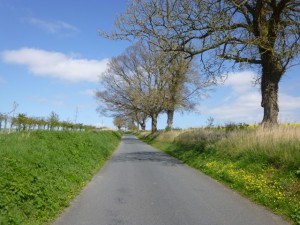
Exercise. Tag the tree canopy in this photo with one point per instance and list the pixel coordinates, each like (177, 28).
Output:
(144, 82)
(260, 33)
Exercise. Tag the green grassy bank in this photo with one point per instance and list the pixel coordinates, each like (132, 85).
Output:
(262, 164)
(42, 171)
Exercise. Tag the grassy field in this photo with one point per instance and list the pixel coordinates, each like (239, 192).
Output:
(262, 164)
(42, 171)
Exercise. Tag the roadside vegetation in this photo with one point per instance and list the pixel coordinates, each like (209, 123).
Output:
(262, 164)
(42, 171)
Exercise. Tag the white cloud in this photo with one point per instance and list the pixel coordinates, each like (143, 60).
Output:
(56, 64)
(289, 108)
(243, 108)
(49, 100)
(243, 104)
(241, 82)
(53, 27)
(288, 102)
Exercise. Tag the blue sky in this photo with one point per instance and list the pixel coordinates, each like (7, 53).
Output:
(51, 59)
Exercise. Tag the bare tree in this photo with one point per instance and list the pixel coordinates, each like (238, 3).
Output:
(140, 118)
(262, 33)
(131, 124)
(134, 83)
(184, 83)
(137, 116)
(144, 82)
(119, 122)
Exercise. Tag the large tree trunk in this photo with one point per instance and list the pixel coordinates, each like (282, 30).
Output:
(5, 122)
(271, 75)
(170, 114)
(154, 123)
(143, 125)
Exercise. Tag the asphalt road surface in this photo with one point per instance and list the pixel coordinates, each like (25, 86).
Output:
(143, 186)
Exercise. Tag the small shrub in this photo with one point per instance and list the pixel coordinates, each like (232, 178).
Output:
(233, 126)
(168, 128)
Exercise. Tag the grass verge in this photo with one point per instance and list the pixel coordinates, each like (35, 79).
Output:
(263, 165)
(42, 171)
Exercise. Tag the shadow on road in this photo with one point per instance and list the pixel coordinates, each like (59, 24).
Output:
(130, 140)
(146, 156)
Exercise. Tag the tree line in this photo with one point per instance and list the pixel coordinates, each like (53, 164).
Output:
(143, 82)
(157, 76)
(22, 122)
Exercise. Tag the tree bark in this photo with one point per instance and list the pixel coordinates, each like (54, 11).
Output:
(154, 123)
(143, 125)
(170, 114)
(271, 75)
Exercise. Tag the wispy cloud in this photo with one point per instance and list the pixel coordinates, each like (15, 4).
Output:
(58, 103)
(56, 64)
(289, 107)
(49, 100)
(243, 102)
(88, 92)
(241, 82)
(38, 99)
(52, 27)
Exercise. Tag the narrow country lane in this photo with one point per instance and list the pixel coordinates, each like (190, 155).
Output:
(142, 186)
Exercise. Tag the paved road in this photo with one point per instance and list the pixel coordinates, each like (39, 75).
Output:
(142, 186)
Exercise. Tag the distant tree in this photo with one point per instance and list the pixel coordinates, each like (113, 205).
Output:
(21, 121)
(2, 118)
(184, 83)
(140, 118)
(119, 122)
(134, 82)
(14, 122)
(6, 119)
(144, 82)
(53, 120)
(264, 34)
(130, 124)
(137, 116)
(80, 126)
(33, 123)
(41, 123)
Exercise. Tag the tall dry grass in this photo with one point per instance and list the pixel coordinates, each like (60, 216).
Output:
(194, 136)
(169, 136)
(278, 146)
(266, 137)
